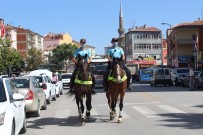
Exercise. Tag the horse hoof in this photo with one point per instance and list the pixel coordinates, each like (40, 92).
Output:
(82, 123)
(120, 120)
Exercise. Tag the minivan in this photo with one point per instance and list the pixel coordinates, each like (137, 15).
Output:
(161, 76)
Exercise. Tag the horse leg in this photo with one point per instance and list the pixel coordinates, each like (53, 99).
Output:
(120, 117)
(78, 105)
(88, 105)
(82, 108)
(113, 110)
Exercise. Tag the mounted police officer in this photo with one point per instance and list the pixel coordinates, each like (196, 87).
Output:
(115, 52)
(82, 51)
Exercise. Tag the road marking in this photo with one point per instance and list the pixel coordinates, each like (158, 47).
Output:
(193, 107)
(61, 115)
(145, 111)
(173, 110)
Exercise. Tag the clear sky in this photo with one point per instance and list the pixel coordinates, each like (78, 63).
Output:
(97, 20)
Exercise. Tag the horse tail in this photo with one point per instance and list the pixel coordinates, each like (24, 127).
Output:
(71, 94)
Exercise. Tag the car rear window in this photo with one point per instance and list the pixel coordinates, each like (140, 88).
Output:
(148, 72)
(21, 83)
(2, 94)
(99, 69)
(66, 76)
(182, 70)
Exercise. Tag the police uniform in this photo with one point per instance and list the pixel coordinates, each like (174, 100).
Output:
(116, 52)
(82, 53)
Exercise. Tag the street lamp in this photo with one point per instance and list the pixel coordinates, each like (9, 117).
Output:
(168, 47)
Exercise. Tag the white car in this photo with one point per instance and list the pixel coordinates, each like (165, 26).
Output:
(66, 80)
(46, 84)
(12, 109)
(58, 85)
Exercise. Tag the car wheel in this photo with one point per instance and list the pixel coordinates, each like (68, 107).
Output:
(37, 113)
(13, 129)
(176, 82)
(24, 128)
(49, 99)
(54, 98)
(44, 107)
(61, 93)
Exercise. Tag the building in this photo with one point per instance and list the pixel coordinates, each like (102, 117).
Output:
(145, 43)
(26, 39)
(11, 34)
(185, 44)
(164, 52)
(51, 41)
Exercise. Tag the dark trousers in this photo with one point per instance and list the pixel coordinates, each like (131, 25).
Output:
(127, 71)
(74, 75)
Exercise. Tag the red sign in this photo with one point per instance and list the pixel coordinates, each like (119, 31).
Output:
(152, 62)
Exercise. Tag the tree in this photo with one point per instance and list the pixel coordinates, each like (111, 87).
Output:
(61, 54)
(34, 59)
(9, 58)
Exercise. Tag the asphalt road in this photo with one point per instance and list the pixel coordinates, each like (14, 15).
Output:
(147, 111)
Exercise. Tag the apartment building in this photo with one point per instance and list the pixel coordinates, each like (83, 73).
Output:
(144, 42)
(182, 48)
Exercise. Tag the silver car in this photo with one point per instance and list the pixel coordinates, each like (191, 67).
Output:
(35, 98)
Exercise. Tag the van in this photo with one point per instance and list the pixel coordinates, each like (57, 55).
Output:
(161, 76)
(145, 75)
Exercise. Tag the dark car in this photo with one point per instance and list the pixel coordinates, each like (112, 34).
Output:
(98, 71)
(199, 80)
(185, 80)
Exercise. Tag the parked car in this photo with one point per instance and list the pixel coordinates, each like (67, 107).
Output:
(185, 80)
(145, 75)
(161, 76)
(35, 98)
(199, 80)
(177, 74)
(58, 85)
(12, 109)
(47, 85)
(3, 76)
(66, 80)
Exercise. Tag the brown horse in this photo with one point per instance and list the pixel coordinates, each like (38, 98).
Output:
(117, 81)
(83, 88)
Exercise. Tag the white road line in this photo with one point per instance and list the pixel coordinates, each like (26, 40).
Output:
(145, 111)
(173, 110)
(61, 115)
(193, 107)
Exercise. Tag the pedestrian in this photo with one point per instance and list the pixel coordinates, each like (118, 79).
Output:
(116, 52)
(191, 75)
(54, 78)
(82, 51)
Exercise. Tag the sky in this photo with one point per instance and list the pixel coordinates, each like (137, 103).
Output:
(97, 20)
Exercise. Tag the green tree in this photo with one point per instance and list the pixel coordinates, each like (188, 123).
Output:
(34, 59)
(10, 57)
(61, 54)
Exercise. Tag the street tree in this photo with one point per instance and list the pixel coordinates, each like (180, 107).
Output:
(34, 59)
(61, 54)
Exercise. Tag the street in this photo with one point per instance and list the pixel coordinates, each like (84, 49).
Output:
(147, 111)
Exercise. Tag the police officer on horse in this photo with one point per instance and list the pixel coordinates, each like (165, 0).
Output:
(82, 51)
(115, 52)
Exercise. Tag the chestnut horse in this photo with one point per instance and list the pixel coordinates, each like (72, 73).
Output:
(83, 88)
(117, 81)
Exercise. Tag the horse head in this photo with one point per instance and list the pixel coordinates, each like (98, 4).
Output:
(117, 68)
(82, 63)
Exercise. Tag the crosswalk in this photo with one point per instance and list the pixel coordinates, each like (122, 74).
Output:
(149, 111)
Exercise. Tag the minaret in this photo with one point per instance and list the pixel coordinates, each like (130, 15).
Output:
(121, 29)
